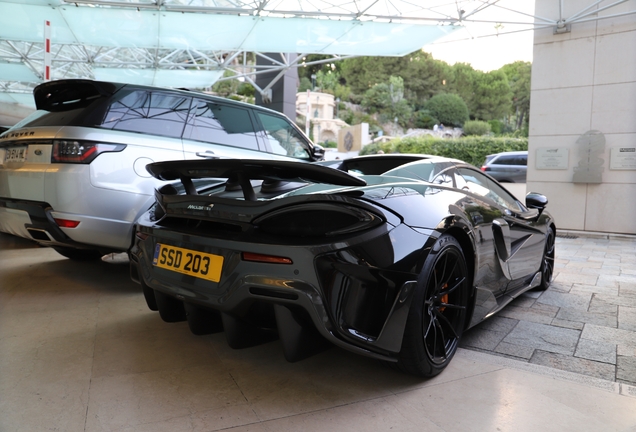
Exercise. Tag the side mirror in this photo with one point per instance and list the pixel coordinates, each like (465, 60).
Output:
(536, 200)
(317, 153)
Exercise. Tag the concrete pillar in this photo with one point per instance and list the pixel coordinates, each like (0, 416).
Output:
(283, 92)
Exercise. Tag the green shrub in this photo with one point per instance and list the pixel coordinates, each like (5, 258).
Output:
(497, 126)
(476, 127)
(246, 89)
(330, 144)
(374, 148)
(346, 115)
(304, 85)
(472, 150)
(376, 98)
(424, 120)
(450, 109)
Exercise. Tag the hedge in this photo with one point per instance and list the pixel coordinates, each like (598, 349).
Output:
(472, 149)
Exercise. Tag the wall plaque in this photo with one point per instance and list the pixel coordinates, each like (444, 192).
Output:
(623, 158)
(552, 158)
(591, 146)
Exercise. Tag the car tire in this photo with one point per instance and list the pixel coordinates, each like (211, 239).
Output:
(438, 311)
(78, 254)
(547, 262)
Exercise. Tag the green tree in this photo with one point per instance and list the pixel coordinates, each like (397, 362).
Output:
(423, 76)
(228, 87)
(448, 108)
(304, 84)
(308, 71)
(387, 99)
(462, 82)
(492, 96)
(518, 74)
(246, 89)
(362, 73)
(377, 98)
(329, 81)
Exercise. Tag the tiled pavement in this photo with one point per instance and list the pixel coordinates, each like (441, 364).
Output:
(584, 323)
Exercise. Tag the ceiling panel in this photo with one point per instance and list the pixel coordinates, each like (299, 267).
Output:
(160, 78)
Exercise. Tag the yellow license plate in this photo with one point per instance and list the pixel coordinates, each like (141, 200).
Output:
(193, 263)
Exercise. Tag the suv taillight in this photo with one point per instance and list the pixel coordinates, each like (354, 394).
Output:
(80, 152)
(485, 168)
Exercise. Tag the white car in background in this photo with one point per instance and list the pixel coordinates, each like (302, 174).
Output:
(507, 167)
(73, 174)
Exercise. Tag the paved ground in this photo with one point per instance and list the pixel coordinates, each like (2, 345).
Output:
(81, 352)
(585, 323)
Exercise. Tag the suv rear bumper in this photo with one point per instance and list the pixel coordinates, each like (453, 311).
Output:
(33, 220)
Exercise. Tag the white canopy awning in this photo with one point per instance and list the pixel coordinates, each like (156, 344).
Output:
(190, 43)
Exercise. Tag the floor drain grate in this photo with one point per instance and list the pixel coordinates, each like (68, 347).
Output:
(567, 236)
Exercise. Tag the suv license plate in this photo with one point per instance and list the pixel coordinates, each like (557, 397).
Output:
(189, 262)
(15, 154)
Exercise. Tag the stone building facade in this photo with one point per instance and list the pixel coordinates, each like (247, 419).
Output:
(582, 144)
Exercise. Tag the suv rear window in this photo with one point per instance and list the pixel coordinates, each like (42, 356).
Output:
(282, 138)
(148, 112)
(221, 124)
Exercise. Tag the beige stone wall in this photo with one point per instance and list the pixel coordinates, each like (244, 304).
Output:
(585, 80)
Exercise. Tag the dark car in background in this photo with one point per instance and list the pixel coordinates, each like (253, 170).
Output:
(390, 256)
(509, 167)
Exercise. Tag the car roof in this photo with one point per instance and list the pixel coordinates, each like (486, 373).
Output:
(45, 93)
(520, 152)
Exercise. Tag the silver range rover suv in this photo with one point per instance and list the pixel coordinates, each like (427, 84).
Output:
(73, 174)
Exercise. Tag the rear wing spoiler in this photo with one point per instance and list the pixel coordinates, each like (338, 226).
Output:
(62, 95)
(242, 171)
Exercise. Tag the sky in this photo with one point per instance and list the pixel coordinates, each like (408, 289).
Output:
(485, 54)
(468, 45)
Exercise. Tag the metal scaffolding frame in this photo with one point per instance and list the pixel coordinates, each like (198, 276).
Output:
(80, 61)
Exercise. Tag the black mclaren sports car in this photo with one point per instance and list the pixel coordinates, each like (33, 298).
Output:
(390, 256)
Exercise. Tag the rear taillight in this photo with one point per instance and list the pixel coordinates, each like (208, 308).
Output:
(485, 168)
(66, 223)
(80, 152)
(270, 259)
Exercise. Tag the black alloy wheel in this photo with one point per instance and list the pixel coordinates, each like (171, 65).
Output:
(547, 262)
(438, 313)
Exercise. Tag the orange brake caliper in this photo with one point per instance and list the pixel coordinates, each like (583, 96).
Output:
(444, 298)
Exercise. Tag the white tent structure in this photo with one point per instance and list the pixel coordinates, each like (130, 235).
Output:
(190, 43)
